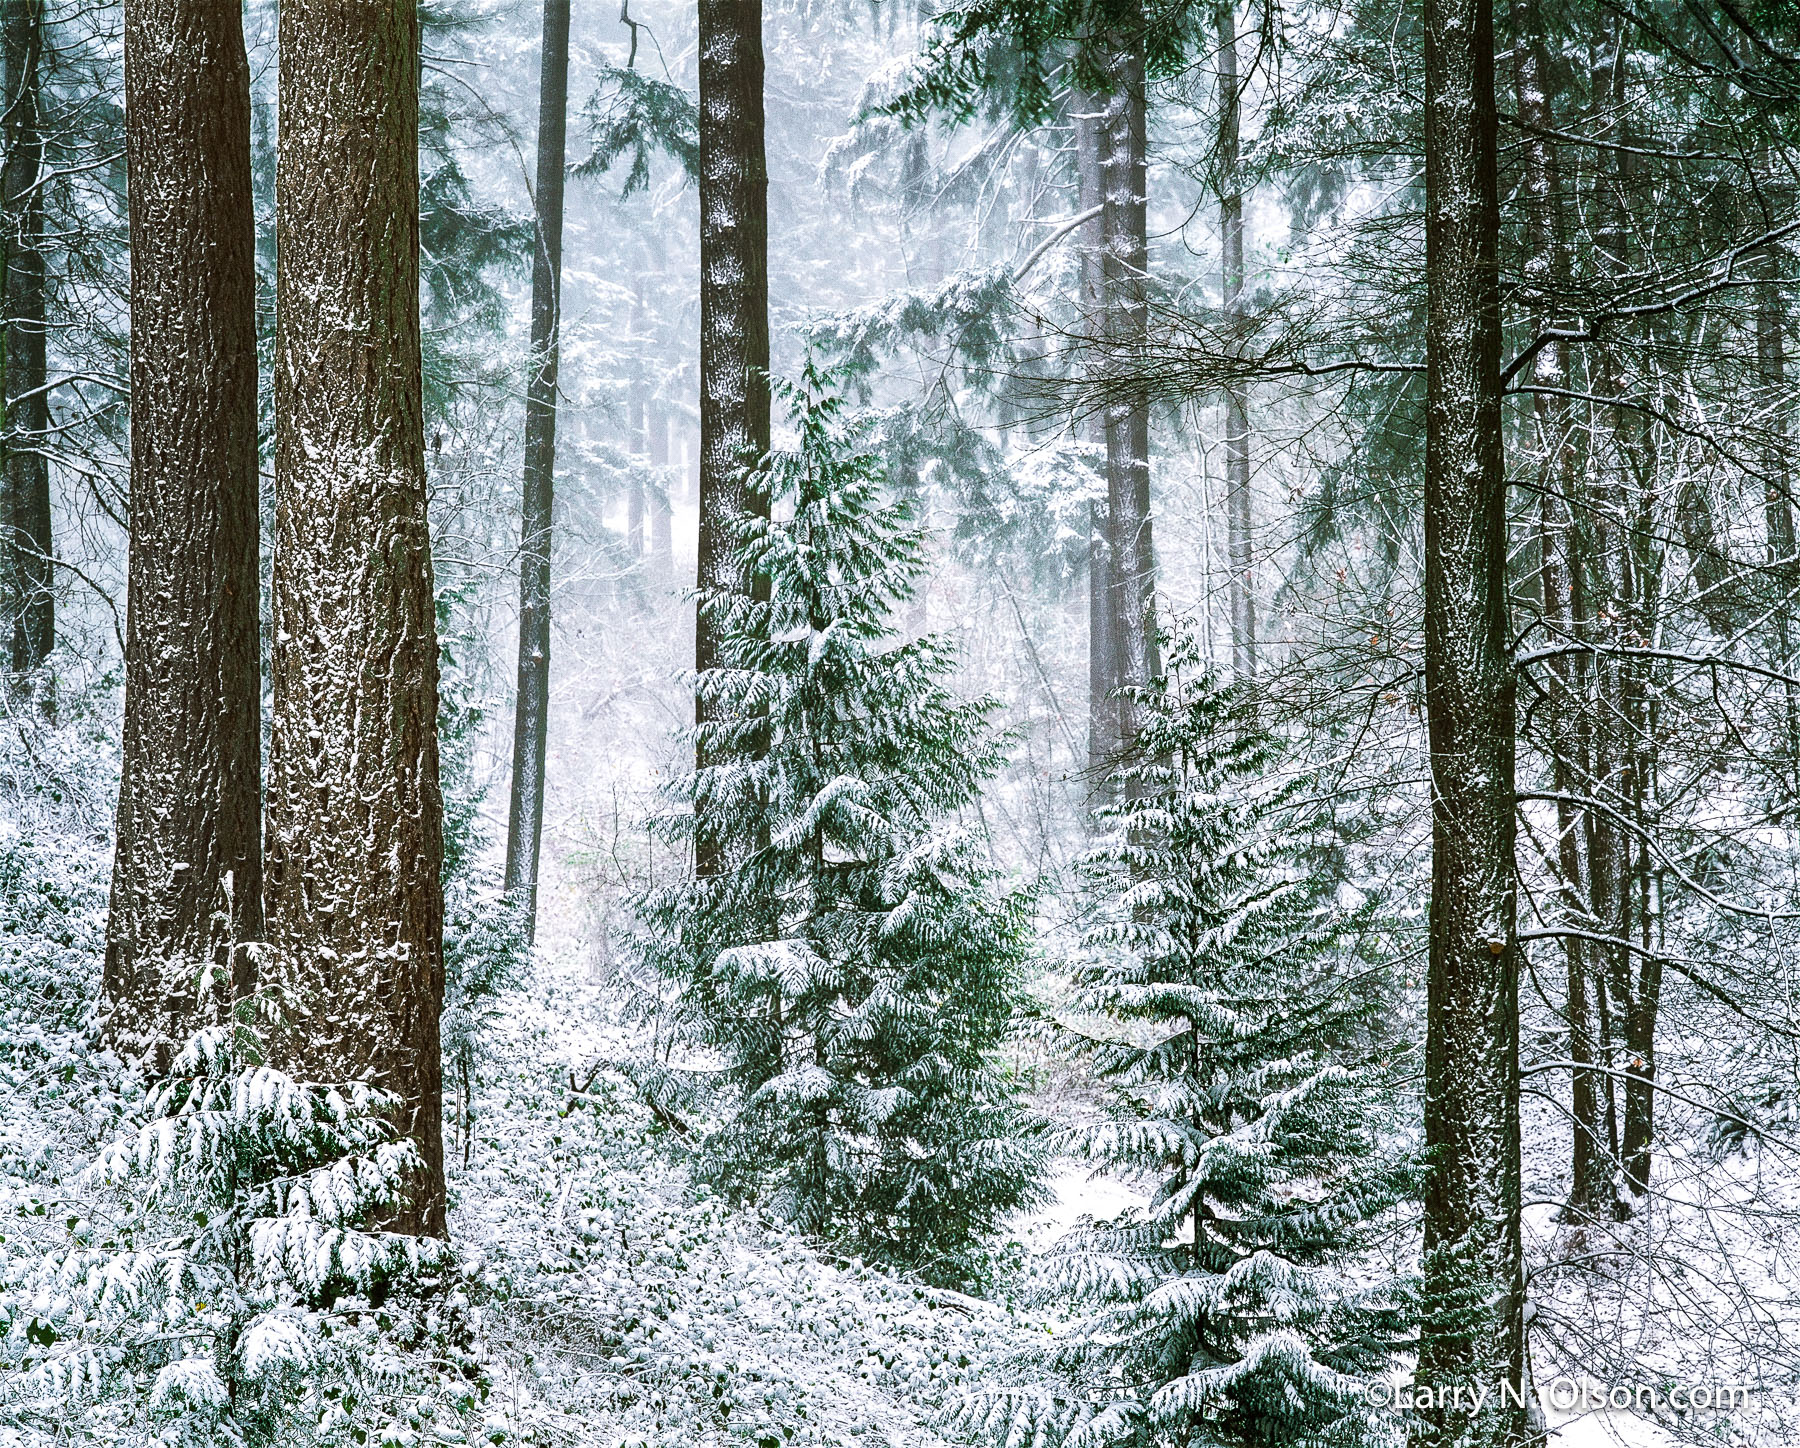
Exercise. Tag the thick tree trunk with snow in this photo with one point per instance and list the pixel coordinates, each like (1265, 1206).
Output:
(187, 872)
(734, 317)
(1472, 1307)
(1125, 259)
(1087, 111)
(531, 714)
(30, 576)
(354, 842)
(1239, 596)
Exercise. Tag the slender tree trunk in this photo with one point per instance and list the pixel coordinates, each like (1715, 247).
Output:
(354, 843)
(734, 324)
(662, 521)
(27, 470)
(1124, 224)
(1625, 568)
(531, 715)
(187, 869)
(638, 424)
(1472, 1307)
(1103, 663)
(1547, 257)
(1239, 594)
(1602, 529)
(1778, 502)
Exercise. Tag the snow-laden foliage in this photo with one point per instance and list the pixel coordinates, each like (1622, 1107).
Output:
(1226, 1005)
(632, 114)
(216, 1273)
(854, 961)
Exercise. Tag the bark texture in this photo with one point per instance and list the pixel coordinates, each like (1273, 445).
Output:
(30, 573)
(1471, 1327)
(531, 716)
(354, 842)
(734, 317)
(187, 872)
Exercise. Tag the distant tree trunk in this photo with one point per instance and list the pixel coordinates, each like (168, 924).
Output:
(1779, 540)
(637, 407)
(1624, 570)
(1241, 598)
(734, 322)
(354, 844)
(1103, 663)
(634, 517)
(187, 868)
(662, 521)
(1559, 569)
(27, 470)
(1124, 222)
(531, 715)
(1472, 1307)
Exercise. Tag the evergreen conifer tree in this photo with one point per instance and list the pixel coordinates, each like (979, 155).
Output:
(854, 962)
(1225, 1004)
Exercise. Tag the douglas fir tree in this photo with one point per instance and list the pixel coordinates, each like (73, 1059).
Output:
(852, 959)
(1225, 1006)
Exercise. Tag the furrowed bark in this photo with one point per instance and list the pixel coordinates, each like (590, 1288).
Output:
(734, 325)
(354, 843)
(531, 715)
(187, 868)
(1471, 1310)
(1125, 282)
(1239, 595)
(30, 575)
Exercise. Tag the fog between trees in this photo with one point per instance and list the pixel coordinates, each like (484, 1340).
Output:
(1057, 721)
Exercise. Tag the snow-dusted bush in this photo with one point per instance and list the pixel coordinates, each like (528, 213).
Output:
(216, 1275)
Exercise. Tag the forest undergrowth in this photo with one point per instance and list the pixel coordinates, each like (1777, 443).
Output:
(600, 1293)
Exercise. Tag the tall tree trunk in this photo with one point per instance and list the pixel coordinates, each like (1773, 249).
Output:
(1087, 111)
(1241, 598)
(531, 715)
(187, 871)
(1472, 1308)
(354, 843)
(27, 471)
(1624, 567)
(1124, 222)
(734, 324)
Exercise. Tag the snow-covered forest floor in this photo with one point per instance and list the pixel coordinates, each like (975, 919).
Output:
(623, 1305)
(607, 1298)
